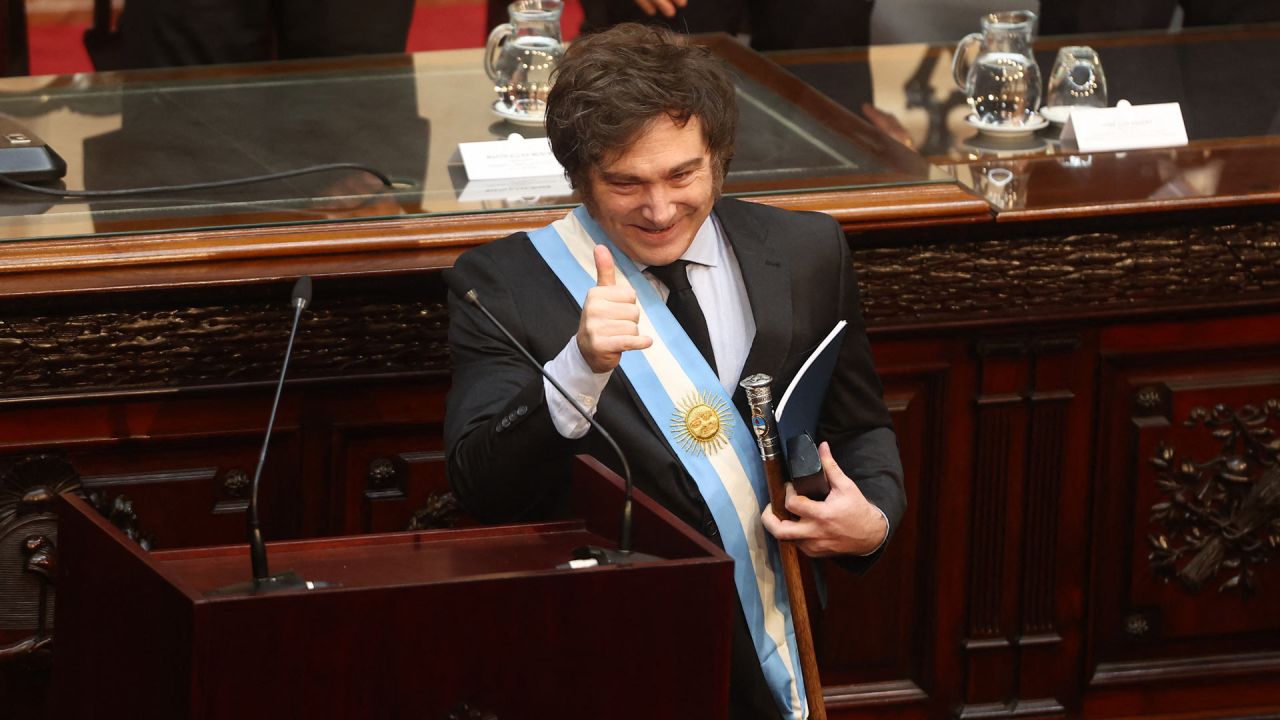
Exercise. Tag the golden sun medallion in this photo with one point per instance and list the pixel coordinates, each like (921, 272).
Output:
(701, 423)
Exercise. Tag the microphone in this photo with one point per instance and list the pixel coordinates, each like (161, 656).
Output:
(263, 580)
(583, 556)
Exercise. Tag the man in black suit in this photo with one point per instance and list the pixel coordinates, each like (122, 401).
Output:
(772, 24)
(644, 125)
(166, 33)
(1066, 17)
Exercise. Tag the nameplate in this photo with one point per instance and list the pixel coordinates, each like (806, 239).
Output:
(508, 159)
(1125, 127)
(518, 192)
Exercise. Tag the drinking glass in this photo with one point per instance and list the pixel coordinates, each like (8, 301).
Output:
(1075, 81)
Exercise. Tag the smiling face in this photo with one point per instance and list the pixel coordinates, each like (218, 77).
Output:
(653, 196)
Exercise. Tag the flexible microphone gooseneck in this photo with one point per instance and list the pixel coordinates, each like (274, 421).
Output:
(257, 547)
(603, 556)
(263, 580)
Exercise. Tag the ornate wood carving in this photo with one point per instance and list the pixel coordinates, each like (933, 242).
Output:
(118, 510)
(1137, 625)
(370, 334)
(1007, 277)
(440, 511)
(28, 550)
(1221, 515)
(1150, 399)
(41, 562)
(235, 484)
(383, 477)
(219, 344)
(30, 484)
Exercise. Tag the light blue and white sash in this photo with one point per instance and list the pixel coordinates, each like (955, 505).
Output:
(686, 401)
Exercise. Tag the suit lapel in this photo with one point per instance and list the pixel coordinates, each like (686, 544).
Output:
(768, 280)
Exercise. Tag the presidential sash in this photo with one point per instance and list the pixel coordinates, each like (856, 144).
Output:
(699, 421)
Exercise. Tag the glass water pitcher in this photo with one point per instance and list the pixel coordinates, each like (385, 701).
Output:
(998, 71)
(520, 56)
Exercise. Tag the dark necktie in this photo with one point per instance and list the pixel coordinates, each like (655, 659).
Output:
(684, 305)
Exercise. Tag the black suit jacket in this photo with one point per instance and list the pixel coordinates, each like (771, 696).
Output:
(507, 461)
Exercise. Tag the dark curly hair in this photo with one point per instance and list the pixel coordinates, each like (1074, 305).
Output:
(612, 84)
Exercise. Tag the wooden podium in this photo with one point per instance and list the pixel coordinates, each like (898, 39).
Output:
(415, 625)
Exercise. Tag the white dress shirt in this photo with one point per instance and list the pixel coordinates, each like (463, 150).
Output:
(717, 283)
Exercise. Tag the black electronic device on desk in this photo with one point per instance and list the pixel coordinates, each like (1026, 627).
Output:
(25, 157)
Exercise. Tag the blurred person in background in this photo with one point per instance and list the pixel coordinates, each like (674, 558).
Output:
(166, 33)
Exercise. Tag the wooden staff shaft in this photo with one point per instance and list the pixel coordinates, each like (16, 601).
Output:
(795, 592)
(759, 396)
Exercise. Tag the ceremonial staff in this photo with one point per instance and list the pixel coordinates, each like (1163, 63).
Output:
(760, 398)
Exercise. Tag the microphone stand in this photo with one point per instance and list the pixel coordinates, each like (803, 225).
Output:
(760, 398)
(263, 580)
(623, 555)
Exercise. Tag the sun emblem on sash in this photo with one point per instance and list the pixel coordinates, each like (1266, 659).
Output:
(701, 423)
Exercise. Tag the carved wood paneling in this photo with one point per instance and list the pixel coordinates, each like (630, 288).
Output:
(119, 511)
(28, 549)
(138, 343)
(1220, 519)
(1048, 432)
(998, 420)
(22, 600)
(393, 477)
(114, 480)
(994, 525)
(442, 510)
(1053, 562)
(971, 612)
(1182, 503)
(1200, 516)
(185, 461)
(141, 346)
(1017, 628)
(1192, 686)
(886, 665)
(191, 489)
(1017, 276)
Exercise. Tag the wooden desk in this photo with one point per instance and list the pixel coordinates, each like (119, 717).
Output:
(1049, 374)
(1233, 122)
(404, 115)
(1036, 360)
(400, 625)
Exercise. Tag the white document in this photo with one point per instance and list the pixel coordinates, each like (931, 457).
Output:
(804, 369)
(1125, 127)
(507, 159)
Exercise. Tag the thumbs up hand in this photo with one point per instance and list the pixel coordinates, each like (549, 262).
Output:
(610, 318)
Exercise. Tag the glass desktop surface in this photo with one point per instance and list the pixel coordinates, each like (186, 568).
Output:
(403, 115)
(1223, 78)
